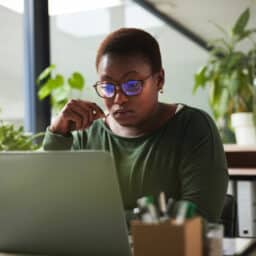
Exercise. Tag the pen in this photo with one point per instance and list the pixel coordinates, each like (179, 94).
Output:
(169, 206)
(185, 210)
(163, 206)
(181, 213)
(162, 203)
(148, 208)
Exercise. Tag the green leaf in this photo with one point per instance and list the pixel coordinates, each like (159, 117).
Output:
(61, 93)
(45, 73)
(51, 85)
(76, 81)
(57, 81)
(233, 61)
(219, 51)
(223, 102)
(46, 89)
(43, 92)
(60, 104)
(200, 79)
(241, 22)
(246, 92)
(245, 34)
(233, 83)
(215, 92)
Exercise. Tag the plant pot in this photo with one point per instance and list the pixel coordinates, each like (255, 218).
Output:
(244, 128)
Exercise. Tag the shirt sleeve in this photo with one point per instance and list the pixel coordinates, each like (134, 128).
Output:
(54, 141)
(76, 140)
(203, 172)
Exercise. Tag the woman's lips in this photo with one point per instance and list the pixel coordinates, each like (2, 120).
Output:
(122, 113)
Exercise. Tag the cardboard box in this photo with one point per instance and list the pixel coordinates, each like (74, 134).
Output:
(168, 238)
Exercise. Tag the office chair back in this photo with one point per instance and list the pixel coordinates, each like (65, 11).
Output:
(229, 216)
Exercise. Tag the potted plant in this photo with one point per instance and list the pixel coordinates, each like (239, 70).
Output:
(14, 139)
(58, 88)
(230, 74)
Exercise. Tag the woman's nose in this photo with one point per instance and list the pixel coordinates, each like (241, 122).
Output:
(120, 97)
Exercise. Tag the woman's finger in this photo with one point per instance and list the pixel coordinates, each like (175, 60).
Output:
(76, 118)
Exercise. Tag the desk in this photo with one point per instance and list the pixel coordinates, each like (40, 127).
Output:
(230, 245)
(242, 173)
(235, 246)
(241, 161)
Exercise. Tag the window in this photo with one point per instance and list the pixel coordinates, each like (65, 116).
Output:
(11, 65)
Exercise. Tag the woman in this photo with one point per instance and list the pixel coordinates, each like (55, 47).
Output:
(156, 146)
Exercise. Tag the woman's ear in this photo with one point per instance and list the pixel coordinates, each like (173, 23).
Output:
(161, 79)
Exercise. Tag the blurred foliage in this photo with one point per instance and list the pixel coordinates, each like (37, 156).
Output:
(229, 72)
(57, 87)
(12, 138)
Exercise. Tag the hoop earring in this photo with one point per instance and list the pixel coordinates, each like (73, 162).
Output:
(161, 91)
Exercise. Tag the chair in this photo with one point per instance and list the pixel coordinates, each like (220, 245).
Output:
(229, 216)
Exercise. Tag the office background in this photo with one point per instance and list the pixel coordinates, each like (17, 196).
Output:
(74, 38)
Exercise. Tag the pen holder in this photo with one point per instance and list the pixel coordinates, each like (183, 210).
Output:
(167, 238)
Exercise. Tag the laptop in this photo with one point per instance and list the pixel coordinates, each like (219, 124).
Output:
(61, 202)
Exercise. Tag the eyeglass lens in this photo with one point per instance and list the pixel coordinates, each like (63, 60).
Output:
(129, 88)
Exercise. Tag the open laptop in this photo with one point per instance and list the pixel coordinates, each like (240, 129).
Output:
(61, 202)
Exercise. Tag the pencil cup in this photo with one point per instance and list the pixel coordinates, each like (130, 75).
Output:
(167, 238)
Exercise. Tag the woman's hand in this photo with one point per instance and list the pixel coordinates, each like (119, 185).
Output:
(76, 115)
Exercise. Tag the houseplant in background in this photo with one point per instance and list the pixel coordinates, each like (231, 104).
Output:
(58, 88)
(13, 138)
(231, 76)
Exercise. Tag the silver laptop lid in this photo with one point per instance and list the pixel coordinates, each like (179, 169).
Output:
(61, 202)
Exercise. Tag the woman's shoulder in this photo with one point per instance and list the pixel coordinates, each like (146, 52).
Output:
(189, 112)
(192, 119)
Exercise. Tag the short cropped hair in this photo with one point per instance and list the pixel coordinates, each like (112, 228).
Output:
(131, 41)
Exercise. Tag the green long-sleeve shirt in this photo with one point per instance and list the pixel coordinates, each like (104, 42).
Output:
(184, 158)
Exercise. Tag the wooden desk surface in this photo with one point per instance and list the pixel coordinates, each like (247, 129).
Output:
(242, 171)
(241, 160)
(239, 148)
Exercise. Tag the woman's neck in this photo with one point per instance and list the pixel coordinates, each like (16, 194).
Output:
(161, 114)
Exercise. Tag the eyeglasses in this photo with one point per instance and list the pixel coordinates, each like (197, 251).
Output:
(108, 90)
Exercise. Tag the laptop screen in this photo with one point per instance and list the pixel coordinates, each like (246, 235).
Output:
(61, 202)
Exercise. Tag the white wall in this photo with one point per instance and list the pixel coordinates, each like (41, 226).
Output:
(181, 59)
(11, 65)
